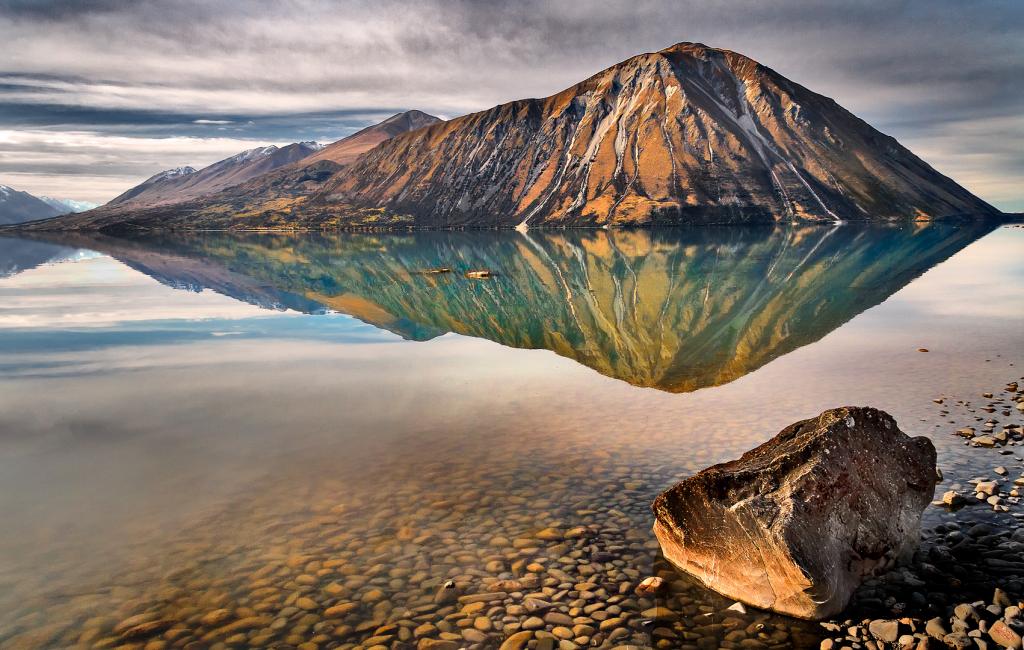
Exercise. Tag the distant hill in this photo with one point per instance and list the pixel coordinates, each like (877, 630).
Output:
(186, 183)
(19, 207)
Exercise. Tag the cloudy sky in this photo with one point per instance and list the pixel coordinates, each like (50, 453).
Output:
(96, 95)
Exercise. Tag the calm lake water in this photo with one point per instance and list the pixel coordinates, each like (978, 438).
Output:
(256, 440)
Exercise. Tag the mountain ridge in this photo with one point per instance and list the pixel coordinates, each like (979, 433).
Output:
(686, 135)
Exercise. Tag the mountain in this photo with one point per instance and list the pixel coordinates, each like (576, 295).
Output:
(68, 205)
(673, 309)
(161, 184)
(20, 207)
(169, 196)
(686, 135)
(185, 183)
(346, 150)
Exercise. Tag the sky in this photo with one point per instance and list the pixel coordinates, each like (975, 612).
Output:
(97, 95)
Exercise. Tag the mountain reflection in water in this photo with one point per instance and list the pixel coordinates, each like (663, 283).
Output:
(675, 310)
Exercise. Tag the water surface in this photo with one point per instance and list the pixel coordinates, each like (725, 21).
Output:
(206, 422)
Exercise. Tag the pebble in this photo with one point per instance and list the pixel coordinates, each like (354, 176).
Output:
(486, 561)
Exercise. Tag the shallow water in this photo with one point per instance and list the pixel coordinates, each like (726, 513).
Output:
(207, 422)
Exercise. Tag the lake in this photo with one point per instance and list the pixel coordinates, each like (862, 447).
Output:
(247, 440)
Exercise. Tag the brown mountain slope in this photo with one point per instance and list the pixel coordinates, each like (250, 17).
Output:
(687, 133)
(346, 150)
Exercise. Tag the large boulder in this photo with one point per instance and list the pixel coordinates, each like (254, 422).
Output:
(795, 524)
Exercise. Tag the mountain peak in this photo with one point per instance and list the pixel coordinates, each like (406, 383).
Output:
(346, 150)
(406, 121)
(412, 114)
(694, 47)
(687, 134)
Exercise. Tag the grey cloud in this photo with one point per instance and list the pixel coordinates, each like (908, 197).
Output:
(917, 69)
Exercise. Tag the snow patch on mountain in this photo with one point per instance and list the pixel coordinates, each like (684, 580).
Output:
(68, 205)
(252, 154)
(173, 173)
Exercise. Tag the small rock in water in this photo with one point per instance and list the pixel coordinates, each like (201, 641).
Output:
(435, 271)
(884, 630)
(952, 499)
(650, 586)
(988, 488)
(446, 593)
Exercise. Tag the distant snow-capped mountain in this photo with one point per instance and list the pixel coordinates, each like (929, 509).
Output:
(68, 205)
(19, 207)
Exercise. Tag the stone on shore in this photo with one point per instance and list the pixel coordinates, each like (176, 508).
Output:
(795, 524)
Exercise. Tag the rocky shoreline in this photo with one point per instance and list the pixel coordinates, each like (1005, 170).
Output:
(564, 569)
(965, 585)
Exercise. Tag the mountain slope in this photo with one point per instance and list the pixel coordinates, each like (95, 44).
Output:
(162, 183)
(154, 204)
(346, 150)
(277, 191)
(20, 207)
(185, 183)
(686, 134)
